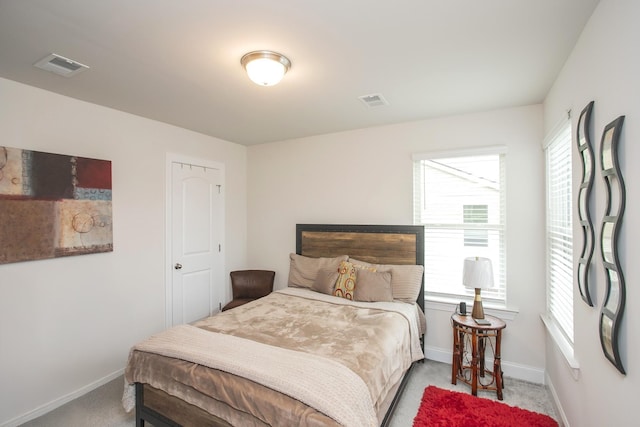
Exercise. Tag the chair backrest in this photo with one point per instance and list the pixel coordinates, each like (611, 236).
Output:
(252, 283)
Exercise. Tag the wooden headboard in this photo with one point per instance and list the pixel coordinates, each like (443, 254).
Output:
(378, 244)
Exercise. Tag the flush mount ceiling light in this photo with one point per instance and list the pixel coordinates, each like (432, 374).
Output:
(264, 67)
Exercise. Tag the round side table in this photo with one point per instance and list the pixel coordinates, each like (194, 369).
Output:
(471, 343)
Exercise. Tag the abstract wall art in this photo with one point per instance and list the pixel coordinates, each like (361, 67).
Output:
(53, 205)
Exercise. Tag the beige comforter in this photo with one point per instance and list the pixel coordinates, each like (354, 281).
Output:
(336, 356)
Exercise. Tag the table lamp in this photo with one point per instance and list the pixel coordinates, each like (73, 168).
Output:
(477, 274)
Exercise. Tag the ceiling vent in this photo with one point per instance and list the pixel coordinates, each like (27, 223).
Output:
(374, 100)
(60, 65)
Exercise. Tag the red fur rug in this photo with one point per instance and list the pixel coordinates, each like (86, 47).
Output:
(445, 408)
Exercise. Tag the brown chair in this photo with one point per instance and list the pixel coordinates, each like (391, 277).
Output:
(248, 285)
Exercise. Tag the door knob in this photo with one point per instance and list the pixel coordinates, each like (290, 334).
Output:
(178, 266)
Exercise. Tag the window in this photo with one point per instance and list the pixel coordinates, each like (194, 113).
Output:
(476, 214)
(560, 230)
(460, 199)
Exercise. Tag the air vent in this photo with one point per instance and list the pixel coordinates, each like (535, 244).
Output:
(374, 100)
(60, 65)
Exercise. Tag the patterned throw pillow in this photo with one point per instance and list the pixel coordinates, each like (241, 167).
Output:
(346, 283)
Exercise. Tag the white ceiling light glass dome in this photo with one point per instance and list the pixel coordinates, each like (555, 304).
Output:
(264, 67)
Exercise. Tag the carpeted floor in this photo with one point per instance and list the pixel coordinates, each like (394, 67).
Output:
(102, 407)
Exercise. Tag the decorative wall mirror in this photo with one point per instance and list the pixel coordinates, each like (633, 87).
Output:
(614, 300)
(583, 138)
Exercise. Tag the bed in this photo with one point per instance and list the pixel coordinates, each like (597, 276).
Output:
(300, 356)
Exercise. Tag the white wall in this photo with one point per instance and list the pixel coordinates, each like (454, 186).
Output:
(366, 177)
(604, 67)
(67, 324)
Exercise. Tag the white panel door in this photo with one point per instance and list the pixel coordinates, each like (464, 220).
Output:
(196, 224)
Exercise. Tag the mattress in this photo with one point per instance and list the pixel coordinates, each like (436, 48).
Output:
(295, 357)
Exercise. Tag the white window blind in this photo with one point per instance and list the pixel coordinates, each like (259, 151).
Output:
(560, 230)
(460, 199)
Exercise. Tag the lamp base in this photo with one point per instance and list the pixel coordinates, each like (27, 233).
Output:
(478, 311)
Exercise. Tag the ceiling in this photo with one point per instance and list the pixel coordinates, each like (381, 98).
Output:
(178, 61)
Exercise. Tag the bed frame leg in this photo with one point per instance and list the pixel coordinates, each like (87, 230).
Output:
(139, 404)
(144, 414)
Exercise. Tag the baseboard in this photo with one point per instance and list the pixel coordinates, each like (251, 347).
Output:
(48, 407)
(556, 403)
(514, 370)
(438, 354)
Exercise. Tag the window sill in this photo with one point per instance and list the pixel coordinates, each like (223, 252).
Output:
(445, 304)
(565, 347)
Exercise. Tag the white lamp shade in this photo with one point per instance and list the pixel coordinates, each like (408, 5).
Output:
(477, 273)
(265, 68)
